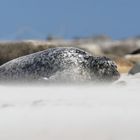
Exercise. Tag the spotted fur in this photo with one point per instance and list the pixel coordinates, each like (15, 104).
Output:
(60, 64)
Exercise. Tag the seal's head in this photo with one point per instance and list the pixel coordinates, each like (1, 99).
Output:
(104, 69)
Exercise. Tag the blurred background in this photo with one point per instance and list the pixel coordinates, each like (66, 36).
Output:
(109, 28)
(37, 19)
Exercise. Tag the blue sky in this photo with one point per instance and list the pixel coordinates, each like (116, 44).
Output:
(32, 19)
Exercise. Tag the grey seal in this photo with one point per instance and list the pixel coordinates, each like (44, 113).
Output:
(135, 69)
(69, 63)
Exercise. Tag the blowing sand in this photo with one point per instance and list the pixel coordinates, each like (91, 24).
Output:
(87, 112)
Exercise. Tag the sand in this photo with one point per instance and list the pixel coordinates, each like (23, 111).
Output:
(63, 112)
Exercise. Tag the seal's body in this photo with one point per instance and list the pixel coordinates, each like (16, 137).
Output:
(59, 64)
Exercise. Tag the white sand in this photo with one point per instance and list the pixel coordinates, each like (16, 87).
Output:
(71, 113)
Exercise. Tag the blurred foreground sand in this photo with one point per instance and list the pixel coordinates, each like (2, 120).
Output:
(77, 112)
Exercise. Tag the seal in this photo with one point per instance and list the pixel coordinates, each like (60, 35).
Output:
(135, 69)
(68, 64)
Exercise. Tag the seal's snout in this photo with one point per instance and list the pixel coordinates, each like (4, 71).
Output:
(112, 77)
(105, 69)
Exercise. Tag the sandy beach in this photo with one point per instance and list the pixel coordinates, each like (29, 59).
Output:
(78, 112)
